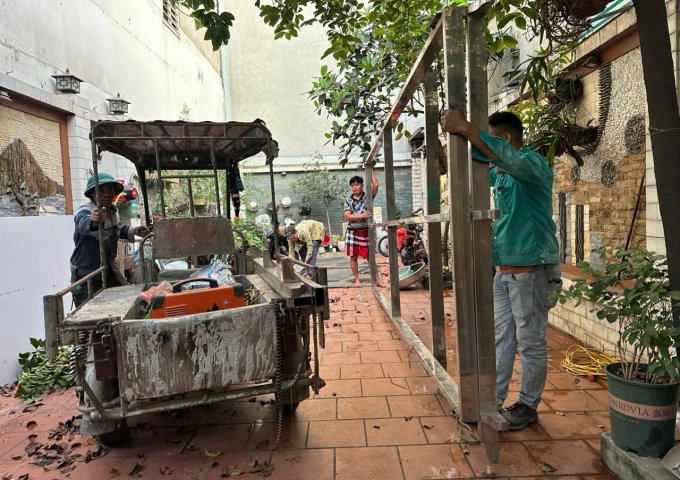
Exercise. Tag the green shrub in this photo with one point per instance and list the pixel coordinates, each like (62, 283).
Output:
(40, 374)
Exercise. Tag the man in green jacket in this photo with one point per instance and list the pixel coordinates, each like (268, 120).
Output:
(525, 255)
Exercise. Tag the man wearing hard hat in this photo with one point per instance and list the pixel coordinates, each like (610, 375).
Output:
(85, 258)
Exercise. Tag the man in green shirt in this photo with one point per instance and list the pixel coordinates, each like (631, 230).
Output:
(525, 255)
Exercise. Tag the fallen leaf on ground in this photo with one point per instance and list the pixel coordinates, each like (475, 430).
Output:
(214, 464)
(165, 471)
(212, 453)
(192, 448)
(561, 414)
(31, 425)
(376, 427)
(428, 427)
(466, 450)
(114, 472)
(23, 477)
(31, 408)
(262, 444)
(252, 462)
(173, 441)
(233, 472)
(17, 457)
(136, 470)
(546, 467)
(599, 426)
(408, 419)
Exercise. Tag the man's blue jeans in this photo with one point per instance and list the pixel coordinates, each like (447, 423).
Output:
(521, 305)
(312, 261)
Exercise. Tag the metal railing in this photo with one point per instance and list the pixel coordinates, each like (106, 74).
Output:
(461, 34)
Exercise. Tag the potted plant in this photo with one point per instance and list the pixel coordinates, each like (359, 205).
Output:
(633, 294)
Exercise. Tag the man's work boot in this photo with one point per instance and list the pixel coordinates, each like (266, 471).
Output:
(519, 416)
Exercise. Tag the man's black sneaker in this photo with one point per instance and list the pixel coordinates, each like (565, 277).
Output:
(519, 416)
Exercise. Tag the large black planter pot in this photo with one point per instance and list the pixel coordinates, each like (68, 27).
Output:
(642, 415)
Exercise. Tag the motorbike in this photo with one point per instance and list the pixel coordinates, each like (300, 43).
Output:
(412, 249)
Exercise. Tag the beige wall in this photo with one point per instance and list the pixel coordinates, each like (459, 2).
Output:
(41, 136)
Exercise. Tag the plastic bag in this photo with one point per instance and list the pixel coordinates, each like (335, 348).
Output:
(217, 270)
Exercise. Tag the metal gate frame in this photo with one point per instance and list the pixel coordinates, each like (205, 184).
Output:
(461, 33)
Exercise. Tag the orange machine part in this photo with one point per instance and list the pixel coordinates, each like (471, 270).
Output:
(202, 300)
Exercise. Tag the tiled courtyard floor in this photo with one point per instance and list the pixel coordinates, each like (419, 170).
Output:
(379, 417)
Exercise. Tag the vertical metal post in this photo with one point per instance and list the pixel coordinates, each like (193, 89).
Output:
(274, 215)
(390, 196)
(213, 160)
(227, 195)
(100, 233)
(460, 214)
(434, 229)
(191, 198)
(143, 184)
(481, 237)
(161, 186)
(368, 171)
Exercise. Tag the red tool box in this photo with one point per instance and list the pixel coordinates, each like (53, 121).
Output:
(201, 300)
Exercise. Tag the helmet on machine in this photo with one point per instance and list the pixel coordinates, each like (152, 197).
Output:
(305, 209)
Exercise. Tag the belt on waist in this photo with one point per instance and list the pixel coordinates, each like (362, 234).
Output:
(516, 268)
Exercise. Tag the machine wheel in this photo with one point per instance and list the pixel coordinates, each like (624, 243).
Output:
(289, 408)
(383, 246)
(118, 437)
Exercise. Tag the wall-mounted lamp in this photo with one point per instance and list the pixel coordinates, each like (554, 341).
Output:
(118, 106)
(4, 96)
(67, 83)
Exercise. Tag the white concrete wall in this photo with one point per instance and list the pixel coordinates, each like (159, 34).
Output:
(268, 79)
(35, 261)
(115, 47)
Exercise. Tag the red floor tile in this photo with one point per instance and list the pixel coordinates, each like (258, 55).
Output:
(363, 346)
(422, 385)
(394, 431)
(363, 407)
(316, 409)
(404, 369)
(371, 463)
(566, 457)
(384, 386)
(571, 401)
(379, 357)
(365, 370)
(575, 425)
(440, 429)
(338, 433)
(303, 465)
(434, 461)
(263, 436)
(414, 406)
(341, 388)
(515, 461)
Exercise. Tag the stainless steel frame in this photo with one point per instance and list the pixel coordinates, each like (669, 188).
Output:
(461, 34)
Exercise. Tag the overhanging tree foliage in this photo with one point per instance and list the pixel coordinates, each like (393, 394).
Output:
(318, 183)
(374, 38)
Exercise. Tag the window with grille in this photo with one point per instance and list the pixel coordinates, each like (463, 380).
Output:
(171, 15)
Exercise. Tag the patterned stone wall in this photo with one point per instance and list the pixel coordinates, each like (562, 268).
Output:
(607, 186)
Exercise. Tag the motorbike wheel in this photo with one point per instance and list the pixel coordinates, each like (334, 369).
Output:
(383, 247)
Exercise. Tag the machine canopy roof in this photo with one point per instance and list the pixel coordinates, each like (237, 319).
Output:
(184, 145)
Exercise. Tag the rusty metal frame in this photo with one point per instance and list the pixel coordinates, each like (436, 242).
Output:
(460, 33)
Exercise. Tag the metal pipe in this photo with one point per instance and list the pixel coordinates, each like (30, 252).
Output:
(192, 212)
(161, 185)
(421, 219)
(213, 160)
(368, 169)
(434, 229)
(390, 194)
(274, 215)
(100, 228)
(141, 174)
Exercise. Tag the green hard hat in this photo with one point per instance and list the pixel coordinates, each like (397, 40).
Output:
(104, 178)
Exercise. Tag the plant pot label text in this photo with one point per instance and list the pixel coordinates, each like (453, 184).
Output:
(643, 412)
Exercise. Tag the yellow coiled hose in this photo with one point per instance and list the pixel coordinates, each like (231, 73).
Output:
(581, 360)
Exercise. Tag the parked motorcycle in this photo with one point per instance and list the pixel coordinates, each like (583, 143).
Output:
(412, 248)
